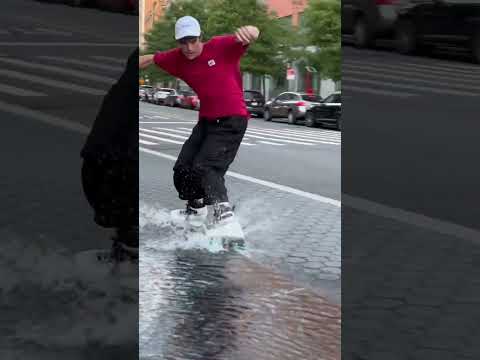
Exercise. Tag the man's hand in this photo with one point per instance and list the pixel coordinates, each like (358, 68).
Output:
(145, 61)
(247, 34)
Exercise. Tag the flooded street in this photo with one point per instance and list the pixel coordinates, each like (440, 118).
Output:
(211, 304)
(276, 298)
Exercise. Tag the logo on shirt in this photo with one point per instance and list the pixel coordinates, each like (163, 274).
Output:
(211, 62)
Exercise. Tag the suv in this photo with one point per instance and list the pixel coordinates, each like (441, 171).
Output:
(368, 19)
(161, 95)
(327, 113)
(255, 101)
(290, 105)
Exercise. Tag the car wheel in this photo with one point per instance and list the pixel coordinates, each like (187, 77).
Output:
(339, 124)
(405, 39)
(310, 120)
(292, 119)
(362, 34)
(267, 116)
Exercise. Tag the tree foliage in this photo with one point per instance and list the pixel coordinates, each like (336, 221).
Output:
(219, 17)
(323, 30)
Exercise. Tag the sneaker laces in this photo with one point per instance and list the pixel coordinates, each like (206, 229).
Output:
(222, 212)
(189, 210)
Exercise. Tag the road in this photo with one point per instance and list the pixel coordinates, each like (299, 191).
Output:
(296, 156)
(410, 122)
(409, 205)
(285, 184)
(56, 63)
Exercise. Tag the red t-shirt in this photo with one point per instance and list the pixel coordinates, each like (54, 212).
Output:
(214, 75)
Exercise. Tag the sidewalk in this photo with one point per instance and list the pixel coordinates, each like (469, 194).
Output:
(294, 236)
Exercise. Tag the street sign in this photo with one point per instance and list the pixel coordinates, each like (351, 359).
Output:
(290, 74)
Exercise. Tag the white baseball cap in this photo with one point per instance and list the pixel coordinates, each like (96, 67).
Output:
(187, 26)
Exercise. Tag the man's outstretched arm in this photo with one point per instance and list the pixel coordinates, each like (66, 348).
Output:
(247, 34)
(145, 61)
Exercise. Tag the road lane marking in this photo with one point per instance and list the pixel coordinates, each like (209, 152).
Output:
(333, 135)
(181, 137)
(367, 90)
(394, 70)
(161, 139)
(58, 70)
(411, 218)
(282, 140)
(416, 80)
(108, 58)
(81, 62)
(164, 133)
(166, 122)
(251, 179)
(53, 83)
(66, 44)
(426, 89)
(270, 143)
(145, 142)
(275, 136)
(45, 118)
(174, 130)
(12, 90)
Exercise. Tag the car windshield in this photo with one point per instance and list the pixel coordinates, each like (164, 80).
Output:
(312, 98)
(250, 95)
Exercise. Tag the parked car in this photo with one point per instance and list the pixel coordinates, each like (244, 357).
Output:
(173, 98)
(327, 113)
(290, 105)
(255, 102)
(368, 19)
(438, 23)
(144, 92)
(189, 100)
(161, 95)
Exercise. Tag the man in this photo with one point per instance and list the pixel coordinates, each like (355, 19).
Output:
(212, 70)
(110, 166)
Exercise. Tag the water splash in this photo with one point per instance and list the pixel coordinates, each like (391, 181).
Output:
(59, 305)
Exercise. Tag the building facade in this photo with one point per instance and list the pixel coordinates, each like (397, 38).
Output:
(302, 78)
(149, 12)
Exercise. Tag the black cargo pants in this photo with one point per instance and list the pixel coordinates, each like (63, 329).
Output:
(205, 157)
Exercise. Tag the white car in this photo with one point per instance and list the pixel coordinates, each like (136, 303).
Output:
(161, 94)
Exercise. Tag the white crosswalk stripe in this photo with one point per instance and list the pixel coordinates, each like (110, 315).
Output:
(12, 90)
(408, 78)
(255, 136)
(22, 79)
(58, 70)
(160, 138)
(296, 135)
(50, 82)
(109, 58)
(82, 62)
(145, 142)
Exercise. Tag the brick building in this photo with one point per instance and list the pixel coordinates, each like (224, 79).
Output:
(149, 12)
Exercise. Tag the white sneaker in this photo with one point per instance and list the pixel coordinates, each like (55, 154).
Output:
(225, 225)
(196, 217)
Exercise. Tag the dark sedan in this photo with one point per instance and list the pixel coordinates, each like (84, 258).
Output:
(255, 101)
(449, 24)
(290, 105)
(327, 113)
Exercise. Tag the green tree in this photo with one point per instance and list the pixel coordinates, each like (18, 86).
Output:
(323, 30)
(217, 17)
